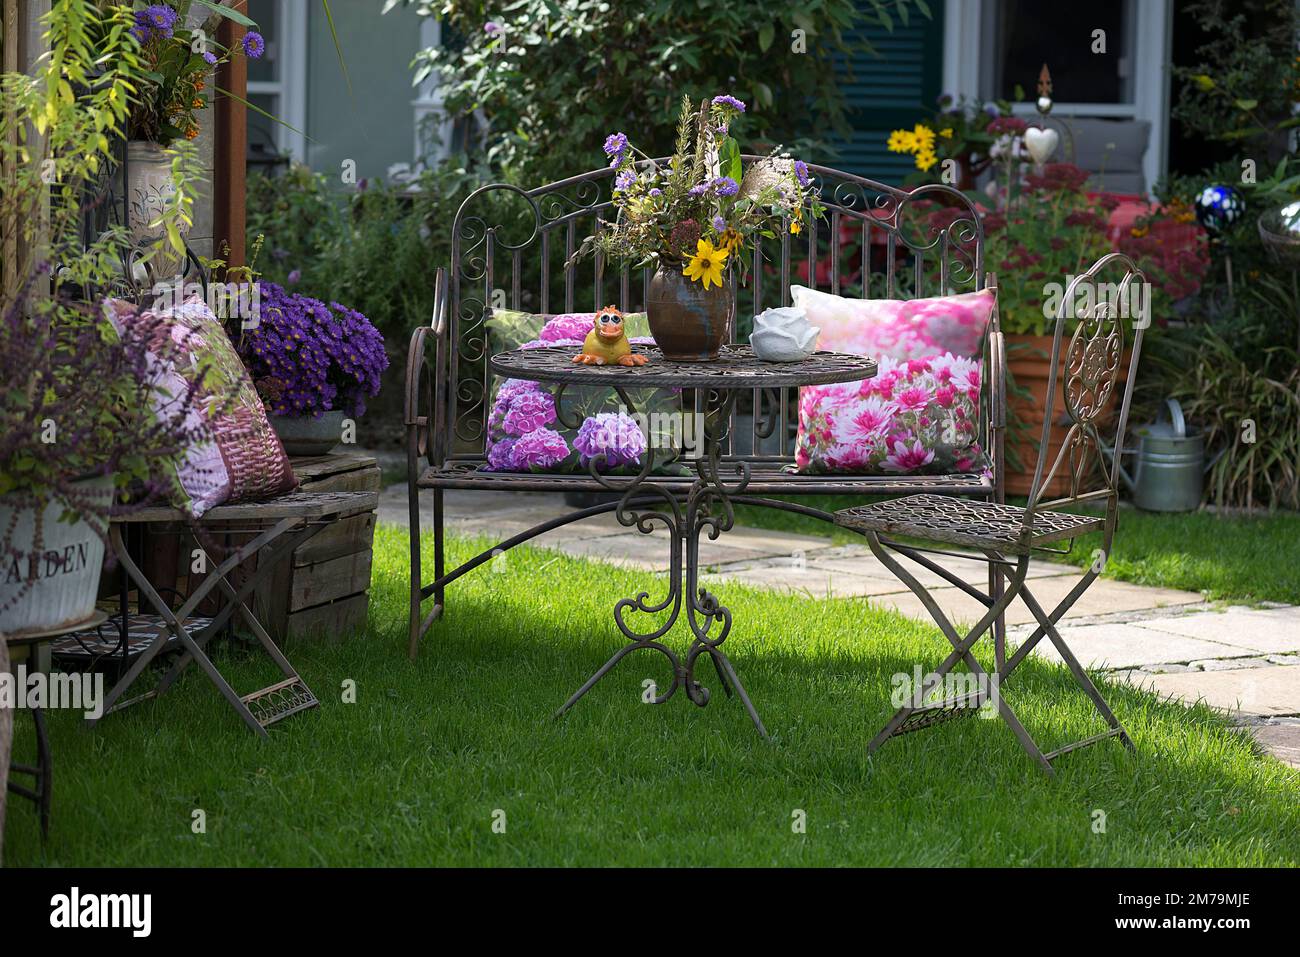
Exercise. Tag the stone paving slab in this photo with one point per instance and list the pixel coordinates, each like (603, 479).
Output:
(1265, 692)
(1281, 739)
(1113, 646)
(1269, 630)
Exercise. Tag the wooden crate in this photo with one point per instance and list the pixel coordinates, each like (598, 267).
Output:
(323, 589)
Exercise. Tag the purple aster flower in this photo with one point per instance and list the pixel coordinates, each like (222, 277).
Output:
(625, 180)
(614, 435)
(210, 57)
(615, 146)
(801, 172)
(492, 28)
(529, 411)
(698, 190)
(725, 186)
(719, 223)
(656, 191)
(293, 277)
(254, 45)
(539, 449)
(731, 101)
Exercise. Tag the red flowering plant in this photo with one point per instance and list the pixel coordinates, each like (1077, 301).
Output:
(1049, 230)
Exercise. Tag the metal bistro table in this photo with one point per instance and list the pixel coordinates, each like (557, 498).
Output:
(684, 509)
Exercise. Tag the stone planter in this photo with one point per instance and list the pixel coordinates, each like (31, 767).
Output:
(67, 568)
(308, 436)
(149, 187)
(689, 323)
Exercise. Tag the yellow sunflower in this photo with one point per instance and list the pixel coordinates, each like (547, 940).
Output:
(924, 137)
(706, 265)
(925, 159)
(901, 141)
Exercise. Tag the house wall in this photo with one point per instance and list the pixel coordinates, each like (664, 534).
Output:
(375, 126)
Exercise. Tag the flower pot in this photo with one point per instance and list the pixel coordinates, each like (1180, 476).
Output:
(304, 435)
(689, 323)
(1029, 365)
(148, 188)
(67, 565)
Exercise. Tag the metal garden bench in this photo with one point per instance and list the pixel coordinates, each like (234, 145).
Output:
(902, 251)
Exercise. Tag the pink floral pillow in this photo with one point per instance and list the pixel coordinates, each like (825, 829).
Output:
(920, 413)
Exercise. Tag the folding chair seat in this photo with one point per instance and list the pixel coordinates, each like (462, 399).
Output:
(1007, 536)
(972, 524)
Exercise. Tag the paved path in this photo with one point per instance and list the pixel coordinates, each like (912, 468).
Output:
(1245, 661)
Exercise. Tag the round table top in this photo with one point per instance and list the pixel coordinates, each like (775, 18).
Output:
(735, 368)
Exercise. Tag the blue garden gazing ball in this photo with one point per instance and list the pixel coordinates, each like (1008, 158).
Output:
(1218, 207)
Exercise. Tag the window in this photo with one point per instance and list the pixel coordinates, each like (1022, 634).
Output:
(277, 81)
(1024, 35)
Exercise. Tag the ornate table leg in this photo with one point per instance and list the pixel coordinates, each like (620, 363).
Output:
(707, 507)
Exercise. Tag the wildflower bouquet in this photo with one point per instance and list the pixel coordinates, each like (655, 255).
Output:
(307, 357)
(177, 62)
(700, 212)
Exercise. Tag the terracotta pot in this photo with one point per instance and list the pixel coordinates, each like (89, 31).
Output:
(688, 322)
(1029, 365)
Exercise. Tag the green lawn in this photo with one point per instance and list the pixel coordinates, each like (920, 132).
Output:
(1242, 559)
(412, 773)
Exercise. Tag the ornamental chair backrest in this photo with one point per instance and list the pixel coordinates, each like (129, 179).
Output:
(511, 247)
(1088, 367)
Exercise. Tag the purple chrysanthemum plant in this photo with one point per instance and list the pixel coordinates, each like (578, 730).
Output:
(307, 358)
(79, 404)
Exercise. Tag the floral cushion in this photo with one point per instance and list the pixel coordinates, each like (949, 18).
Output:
(524, 434)
(920, 414)
(239, 457)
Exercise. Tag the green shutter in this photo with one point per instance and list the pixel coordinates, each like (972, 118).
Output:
(890, 90)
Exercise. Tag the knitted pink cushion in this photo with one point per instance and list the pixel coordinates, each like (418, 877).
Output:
(240, 458)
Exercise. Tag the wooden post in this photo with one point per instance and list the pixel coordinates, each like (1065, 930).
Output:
(10, 46)
(229, 159)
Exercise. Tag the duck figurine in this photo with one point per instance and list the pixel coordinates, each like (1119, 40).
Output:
(606, 344)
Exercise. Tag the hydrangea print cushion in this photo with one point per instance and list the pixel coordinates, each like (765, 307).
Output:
(524, 432)
(240, 458)
(920, 414)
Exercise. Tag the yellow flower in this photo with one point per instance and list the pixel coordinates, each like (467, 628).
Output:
(901, 141)
(946, 132)
(706, 265)
(925, 159)
(730, 240)
(924, 137)
(796, 227)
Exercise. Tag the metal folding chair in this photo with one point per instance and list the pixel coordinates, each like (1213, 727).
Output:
(279, 527)
(1006, 536)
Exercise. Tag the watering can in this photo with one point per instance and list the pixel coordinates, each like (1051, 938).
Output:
(1171, 466)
